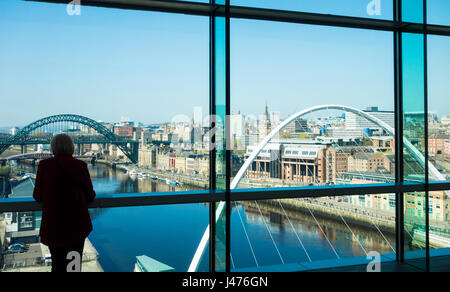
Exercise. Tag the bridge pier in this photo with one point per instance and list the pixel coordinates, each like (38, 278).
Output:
(134, 152)
(23, 149)
(3, 183)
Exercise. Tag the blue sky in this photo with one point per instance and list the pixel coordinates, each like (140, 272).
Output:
(293, 67)
(104, 64)
(109, 63)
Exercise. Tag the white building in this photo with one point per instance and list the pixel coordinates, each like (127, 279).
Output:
(275, 119)
(355, 122)
(14, 131)
(445, 120)
(237, 125)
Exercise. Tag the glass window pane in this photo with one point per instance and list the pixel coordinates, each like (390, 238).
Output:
(412, 11)
(415, 229)
(312, 233)
(122, 240)
(220, 67)
(310, 105)
(413, 138)
(438, 12)
(126, 93)
(414, 217)
(118, 242)
(413, 107)
(220, 99)
(439, 232)
(438, 145)
(381, 9)
(438, 107)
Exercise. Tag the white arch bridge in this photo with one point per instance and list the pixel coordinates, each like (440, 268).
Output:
(415, 153)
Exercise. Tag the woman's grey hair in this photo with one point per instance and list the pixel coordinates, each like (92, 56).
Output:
(62, 144)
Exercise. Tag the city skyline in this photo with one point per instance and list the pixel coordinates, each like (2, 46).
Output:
(247, 118)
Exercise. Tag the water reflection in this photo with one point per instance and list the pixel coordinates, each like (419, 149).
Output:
(264, 233)
(112, 181)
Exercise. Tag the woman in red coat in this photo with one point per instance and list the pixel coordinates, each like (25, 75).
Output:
(64, 187)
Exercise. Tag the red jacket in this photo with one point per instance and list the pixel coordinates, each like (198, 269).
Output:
(64, 187)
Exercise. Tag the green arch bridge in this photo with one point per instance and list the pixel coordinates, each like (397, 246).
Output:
(29, 135)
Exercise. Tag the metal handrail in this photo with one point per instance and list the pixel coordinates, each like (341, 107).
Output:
(206, 196)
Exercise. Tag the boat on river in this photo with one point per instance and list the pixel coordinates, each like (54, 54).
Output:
(132, 173)
(172, 182)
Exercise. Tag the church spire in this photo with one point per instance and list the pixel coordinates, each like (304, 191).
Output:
(267, 118)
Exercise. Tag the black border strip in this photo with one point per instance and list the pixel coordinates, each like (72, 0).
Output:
(426, 137)
(212, 143)
(228, 157)
(398, 84)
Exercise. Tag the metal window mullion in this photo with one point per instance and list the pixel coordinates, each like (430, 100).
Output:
(227, 140)
(193, 197)
(398, 105)
(427, 177)
(212, 143)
